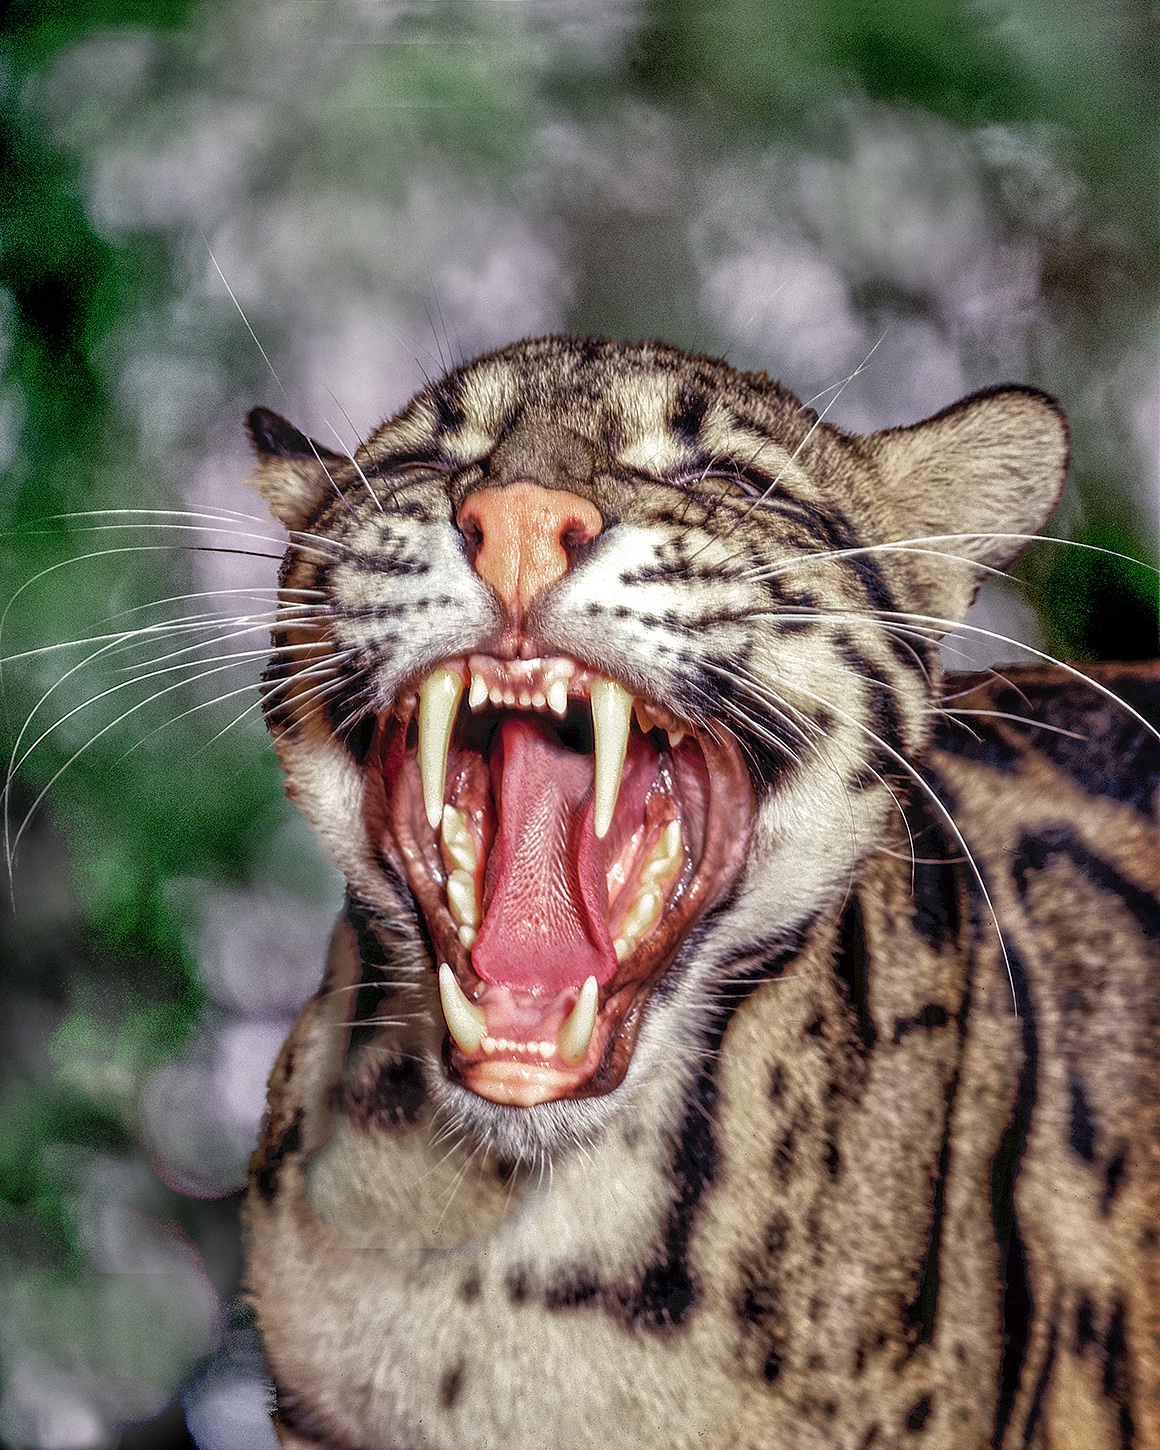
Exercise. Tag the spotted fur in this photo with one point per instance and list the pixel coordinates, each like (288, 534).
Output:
(885, 1164)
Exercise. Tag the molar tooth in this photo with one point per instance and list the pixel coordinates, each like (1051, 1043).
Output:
(663, 859)
(575, 1035)
(644, 913)
(558, 698)
(466, 1022)
(461, 898)
(478, 695)
(458, 842)
(611, 719)
(438, 701)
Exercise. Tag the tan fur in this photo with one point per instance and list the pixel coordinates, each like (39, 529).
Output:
(846, 1195)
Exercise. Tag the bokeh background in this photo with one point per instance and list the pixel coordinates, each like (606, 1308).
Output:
(315, 204)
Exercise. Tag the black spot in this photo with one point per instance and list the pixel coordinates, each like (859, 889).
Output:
(1116, 1382)
(448, 407)
(370, 948)
(932, 1015)
(918, 1414)
(391, 1098)
(1034, 852)
(667, 1293)
(470, 1289)
(1103, 749)
(776, 1236)
(1016, 1305)
(784, 1153)
(518, 1290)
(570, 1291)
(1082, 1134)
(689, 414)
(934, 899)
(289, 1141)
(851, 967)
(1085, 1328)
(922, 1313)
(1114, 1176)
(978, 741)
(451, 1385)
(772, 1366)
(831, 1159)
(776, 1083)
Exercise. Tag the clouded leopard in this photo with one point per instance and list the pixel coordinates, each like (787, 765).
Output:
(738, 1034)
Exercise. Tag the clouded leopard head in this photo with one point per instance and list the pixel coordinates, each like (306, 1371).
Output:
(598, 668)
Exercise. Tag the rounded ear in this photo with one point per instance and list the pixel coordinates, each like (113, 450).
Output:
(976, 481)
(295, 474)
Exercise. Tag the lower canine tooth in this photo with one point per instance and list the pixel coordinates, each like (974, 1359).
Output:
(575, 1035)
(466, 1022)
(438, 701)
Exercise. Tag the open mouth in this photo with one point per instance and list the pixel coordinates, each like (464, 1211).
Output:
(561, 838)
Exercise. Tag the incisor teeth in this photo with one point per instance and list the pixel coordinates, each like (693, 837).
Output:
(438, 701)
(465, 1021)
(611, 719)
(558, 698)
(575, 1035)
(461, 898)
(458, 842)
(478, 693)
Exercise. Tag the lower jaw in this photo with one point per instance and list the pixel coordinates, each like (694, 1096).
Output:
(522, 1084)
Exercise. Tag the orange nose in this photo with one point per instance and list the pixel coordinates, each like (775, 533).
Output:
(523, 529)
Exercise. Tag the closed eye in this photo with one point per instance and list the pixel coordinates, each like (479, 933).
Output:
(751, 483)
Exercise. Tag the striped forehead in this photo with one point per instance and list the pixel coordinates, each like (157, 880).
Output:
(645, 405)
(486, 398)
(724, 436)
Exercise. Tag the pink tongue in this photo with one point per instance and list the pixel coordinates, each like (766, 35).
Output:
(545, 896)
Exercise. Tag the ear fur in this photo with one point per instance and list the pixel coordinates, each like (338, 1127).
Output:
(295, 474)
(988, 467)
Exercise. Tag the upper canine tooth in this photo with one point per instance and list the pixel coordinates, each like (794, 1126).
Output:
(466, 1022)
(611, 719)
(576, 1033)
(438, 701)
